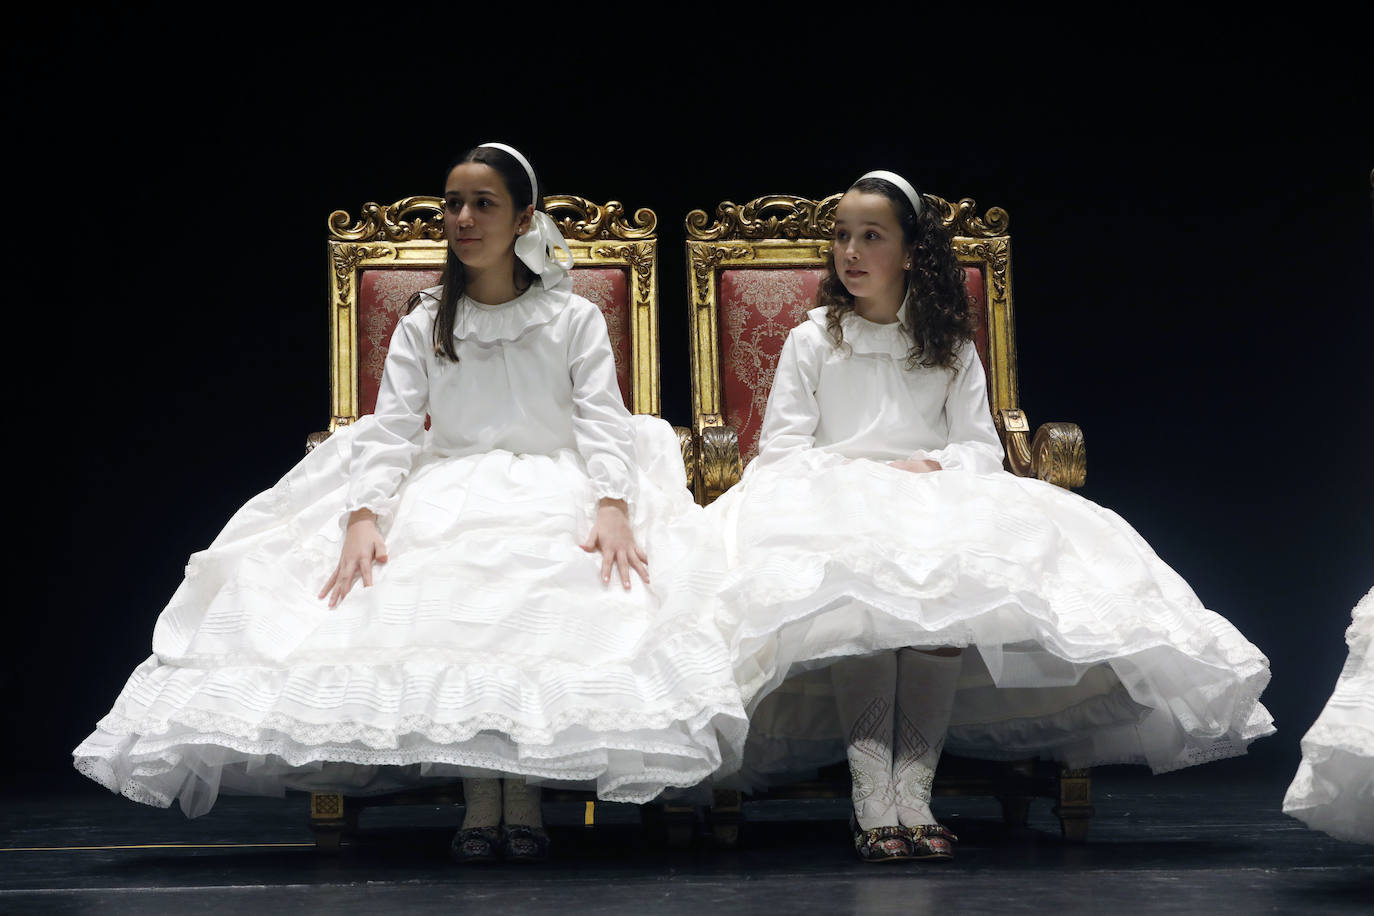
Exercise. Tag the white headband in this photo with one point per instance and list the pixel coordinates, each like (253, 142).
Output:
(515, 154)
(543, 249)
(891, 178)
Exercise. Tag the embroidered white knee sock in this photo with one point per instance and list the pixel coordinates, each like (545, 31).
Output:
(481, 803)
(522, 803)
(864, 691)
(925, 696)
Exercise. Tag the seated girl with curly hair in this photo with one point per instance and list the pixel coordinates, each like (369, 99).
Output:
(892, 592)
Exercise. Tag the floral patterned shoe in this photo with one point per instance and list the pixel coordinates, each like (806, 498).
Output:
(931, 841)
(524, 844)
(475, 845)
(881, 844)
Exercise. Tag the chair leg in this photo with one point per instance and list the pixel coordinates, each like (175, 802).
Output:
(1015, 810)
(331, 818)
(1075, 804)
(674, 826)
(726, 817)
(680, 823)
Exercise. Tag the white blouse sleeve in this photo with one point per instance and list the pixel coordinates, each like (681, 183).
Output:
(793, 414)
(601, 425)
(384, 450)
(973, 443)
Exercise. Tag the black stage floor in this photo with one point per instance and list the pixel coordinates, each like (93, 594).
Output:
(1211, 839)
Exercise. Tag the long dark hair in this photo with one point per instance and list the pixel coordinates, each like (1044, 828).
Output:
(454, 278)
(940, 313)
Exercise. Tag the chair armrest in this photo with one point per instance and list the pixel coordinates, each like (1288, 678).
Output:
(718, 462)
(688, 443)
(1059, 455)
(1014, 429)
(1055, 455)
(315, 439)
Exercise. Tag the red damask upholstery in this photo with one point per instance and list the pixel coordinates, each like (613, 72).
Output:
(382, 298)
(978, 294)
(383, 294)
(609, 288)
(758, 307)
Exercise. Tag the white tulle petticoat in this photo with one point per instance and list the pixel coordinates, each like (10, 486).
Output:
(487, 643)
(1086, 647)
(1333, 789)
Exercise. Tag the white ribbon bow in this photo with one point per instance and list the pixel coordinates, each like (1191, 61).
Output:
(544, 250)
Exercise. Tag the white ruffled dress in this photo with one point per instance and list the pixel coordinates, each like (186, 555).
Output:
(487, 643)
(1085, 647)
(1333, 789)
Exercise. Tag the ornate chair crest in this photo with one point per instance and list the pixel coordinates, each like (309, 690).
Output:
(752, 275)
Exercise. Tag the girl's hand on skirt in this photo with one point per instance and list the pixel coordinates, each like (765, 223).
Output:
(615, 539)
(362, 547)
(916, 465)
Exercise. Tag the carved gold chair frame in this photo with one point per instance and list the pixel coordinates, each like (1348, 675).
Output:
(781, 231)
(409, 234)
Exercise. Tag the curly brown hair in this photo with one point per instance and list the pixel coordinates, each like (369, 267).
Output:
(939, 311)
(454, 278)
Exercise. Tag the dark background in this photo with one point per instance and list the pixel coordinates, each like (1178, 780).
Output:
(1190, 212)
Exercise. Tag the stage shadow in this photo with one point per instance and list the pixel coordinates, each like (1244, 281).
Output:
(765, 848)
(1309, 891)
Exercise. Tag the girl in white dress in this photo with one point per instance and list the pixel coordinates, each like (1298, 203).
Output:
(506, 622)
(892, 591)
(1333, 789)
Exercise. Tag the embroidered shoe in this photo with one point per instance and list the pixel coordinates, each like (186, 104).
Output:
(524, 844)
(881, 844)
(931, 841)
(475, 845)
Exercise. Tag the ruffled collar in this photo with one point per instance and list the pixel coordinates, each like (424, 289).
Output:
(477, 322)
(864, 336)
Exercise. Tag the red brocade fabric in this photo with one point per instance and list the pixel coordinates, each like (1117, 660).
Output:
(382, 298)
(609, 288)
(757, 309)
(978, 292)
(383, 294)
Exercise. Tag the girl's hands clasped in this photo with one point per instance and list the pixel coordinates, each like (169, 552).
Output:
(916, 465)
(363, 546)
(615, 539)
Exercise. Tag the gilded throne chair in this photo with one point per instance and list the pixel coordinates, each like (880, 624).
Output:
(379, 261)
(752, 274)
